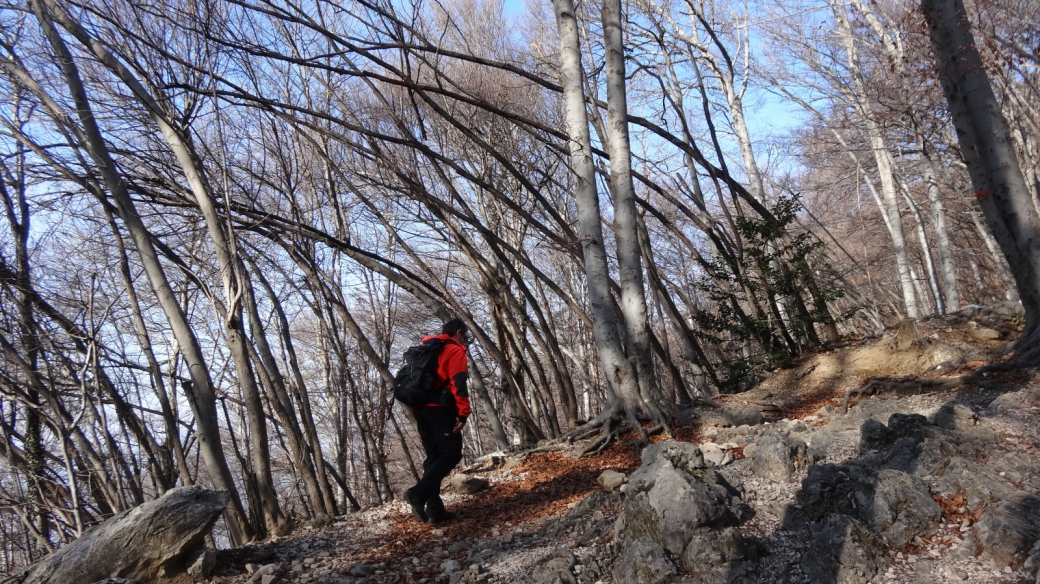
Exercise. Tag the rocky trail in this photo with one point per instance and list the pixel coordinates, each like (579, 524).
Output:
(920, 483)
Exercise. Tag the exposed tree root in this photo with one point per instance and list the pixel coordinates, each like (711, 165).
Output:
(906, 385)
(611, 424)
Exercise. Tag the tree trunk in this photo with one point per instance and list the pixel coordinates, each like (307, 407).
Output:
(618, 370)
(883, 158)
(947, 267)
(626, 230)
(985, 142)
(301, 393)
(279, 398)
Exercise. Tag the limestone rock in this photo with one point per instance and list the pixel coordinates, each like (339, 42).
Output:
(843, 551)
(688, 510)
(774, 456)
(200, 563)
(1008, 531)
(682, 455)
(894, 505)
(898, 506)
(713, 453)
(467, 485)
(611, 480)
(139, 543)
(957, 417)
(643, 561)
(711, 553)
(980, 485)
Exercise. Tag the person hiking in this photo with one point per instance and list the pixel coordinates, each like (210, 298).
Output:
(440, 424)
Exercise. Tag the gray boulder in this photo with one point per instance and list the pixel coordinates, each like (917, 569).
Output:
(467, 485)
(774, 455)
(957, 417)
(912, 444)
(712, 553)
(843, 551)
(980, 485)
(687, 509)
(145, 543)
(200, 563)
(611, 480)
(924, 457)
(897, 506)
(1008, 531)
(643, 561)
(668, 501)
(894, 505)
(681, 455)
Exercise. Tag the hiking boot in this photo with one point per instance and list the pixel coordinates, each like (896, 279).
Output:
(417, 506)
(435, 511)
(441, 517)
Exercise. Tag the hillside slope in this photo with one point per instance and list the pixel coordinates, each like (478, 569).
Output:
(545, 518)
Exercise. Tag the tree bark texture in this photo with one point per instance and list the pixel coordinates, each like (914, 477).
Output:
(985, 142)
(626, 230)
(620, 373)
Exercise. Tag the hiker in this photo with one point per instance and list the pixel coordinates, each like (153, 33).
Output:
(440, 424)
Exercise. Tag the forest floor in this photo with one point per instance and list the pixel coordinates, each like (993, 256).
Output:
(531, 513)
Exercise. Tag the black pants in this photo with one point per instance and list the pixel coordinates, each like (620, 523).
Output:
(443, 448)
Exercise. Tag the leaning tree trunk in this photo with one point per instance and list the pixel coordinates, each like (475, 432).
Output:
(618, 370)
(985, 142)
(231, 272)
(202, 397)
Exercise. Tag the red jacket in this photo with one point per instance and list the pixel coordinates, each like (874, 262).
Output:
(452, 369)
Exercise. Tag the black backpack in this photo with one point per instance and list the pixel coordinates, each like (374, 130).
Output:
(417, 384)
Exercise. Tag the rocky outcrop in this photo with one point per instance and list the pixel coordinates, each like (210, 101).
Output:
(1008, 531)
(680, 515)
(644, 561)
(774, 455)
(894, 505)
(147, 543)
(843, 551)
